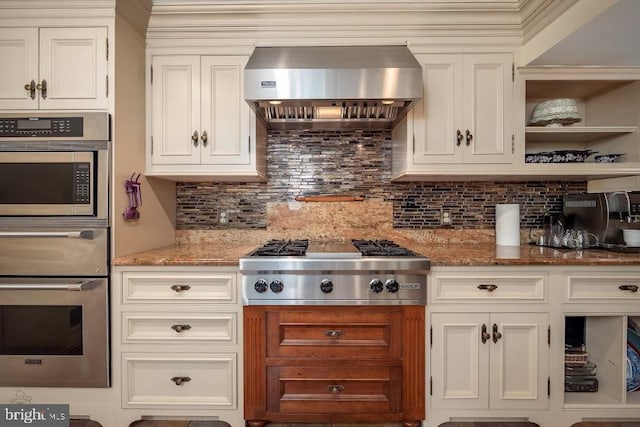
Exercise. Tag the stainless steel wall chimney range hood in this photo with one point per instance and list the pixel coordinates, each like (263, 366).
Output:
(332, 87)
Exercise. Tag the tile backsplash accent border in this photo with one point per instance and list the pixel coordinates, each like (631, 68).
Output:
(358, 162)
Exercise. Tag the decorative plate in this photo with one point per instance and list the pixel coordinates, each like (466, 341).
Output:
(563, 111)
(559, 156)
(633, 369)
(609, 158)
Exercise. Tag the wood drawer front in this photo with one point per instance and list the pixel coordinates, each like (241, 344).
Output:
(179, 287)
(596, 288)
(340, 332)
(147, 380)
(139, 328)
(450, 288)
(308, 390)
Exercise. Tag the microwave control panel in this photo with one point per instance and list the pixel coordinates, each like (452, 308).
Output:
(82, 183)
(55, 127)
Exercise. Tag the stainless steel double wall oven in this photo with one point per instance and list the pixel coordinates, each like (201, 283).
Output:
(54, 249)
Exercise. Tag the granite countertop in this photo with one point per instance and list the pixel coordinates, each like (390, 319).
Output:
(440, 254)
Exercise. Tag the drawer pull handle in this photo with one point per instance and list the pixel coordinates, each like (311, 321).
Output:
(335, 388)
(632, 288)
(334, 333)
(489, 288)
(496, 335)
(180, 380)
(180, 328)
(485, 334)
(180, 288)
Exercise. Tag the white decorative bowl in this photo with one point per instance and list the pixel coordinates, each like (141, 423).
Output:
(554, 112)
(631, 237)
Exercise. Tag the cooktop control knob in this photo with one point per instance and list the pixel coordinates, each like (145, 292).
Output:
(326, 286)
(392, 285)
(276, 286)
(376, 286)
(261, 286)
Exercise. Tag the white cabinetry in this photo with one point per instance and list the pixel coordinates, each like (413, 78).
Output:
(201, 127)
(176, 342)
(607, 100)
(53, 68)
(489, 342)
(464, 120)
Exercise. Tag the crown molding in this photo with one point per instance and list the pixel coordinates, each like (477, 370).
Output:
(55, 9)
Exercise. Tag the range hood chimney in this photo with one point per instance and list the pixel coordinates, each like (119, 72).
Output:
(329, 87)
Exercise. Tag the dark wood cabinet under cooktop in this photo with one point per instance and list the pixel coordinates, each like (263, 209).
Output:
(335, 364)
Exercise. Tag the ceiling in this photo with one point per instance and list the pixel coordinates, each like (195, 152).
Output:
(611, 38)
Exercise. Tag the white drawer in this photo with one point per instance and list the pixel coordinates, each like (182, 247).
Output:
(173, 328)
(485, 288)
(596, 287)
(178, 287)
(179, 380)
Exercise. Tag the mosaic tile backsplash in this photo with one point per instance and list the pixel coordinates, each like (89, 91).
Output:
(358, 162)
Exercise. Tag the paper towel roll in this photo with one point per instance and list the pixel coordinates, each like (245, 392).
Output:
(508, 224)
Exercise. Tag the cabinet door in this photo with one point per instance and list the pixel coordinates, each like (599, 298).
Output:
(460, 361)
(438, 116)
(225, 114)
(519, 361)
(175, 115)
(73, 62)
(19, 65)
(488, 108)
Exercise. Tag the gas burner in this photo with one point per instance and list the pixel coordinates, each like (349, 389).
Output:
(381, 248)
(282, 248)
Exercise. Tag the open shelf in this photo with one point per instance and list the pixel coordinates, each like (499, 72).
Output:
(575, 134)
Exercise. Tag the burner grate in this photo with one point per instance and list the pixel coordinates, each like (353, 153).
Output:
(381, 248)
(282, 248)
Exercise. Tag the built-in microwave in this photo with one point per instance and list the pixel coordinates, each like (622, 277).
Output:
(54, 165)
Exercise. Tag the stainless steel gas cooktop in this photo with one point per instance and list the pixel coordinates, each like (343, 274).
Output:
(355, 272)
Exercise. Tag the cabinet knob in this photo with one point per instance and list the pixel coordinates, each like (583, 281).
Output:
(469, 136)
(630, 288)
(194, 138)
(334, 333)
(489, 288)
(484, 334)
(180, 288)
(42, 87)
(459, 137)
(204, 138)
(180, 380)
(180, 328)
(335, 388)
(496, 335)
(31, 87)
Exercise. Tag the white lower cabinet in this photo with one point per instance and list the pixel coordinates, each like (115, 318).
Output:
(489, 360)
(176, 343)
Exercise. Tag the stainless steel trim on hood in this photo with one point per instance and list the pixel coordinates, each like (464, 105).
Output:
(332, 86)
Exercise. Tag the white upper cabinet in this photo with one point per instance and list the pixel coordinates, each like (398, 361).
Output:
(201, 127)
(465, 116)
(53, 68)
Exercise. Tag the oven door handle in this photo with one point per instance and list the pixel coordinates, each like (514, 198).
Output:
(74, 286)
(82, 234)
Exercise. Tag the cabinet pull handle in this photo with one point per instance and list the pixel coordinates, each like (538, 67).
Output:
(204, 138)
(631, 288)
(180, 328)
(180, 288)
(335, 388)
(489, 288)
(180, 380)
(42, 87)
(459, 137)
(469, 137)
(31, 87)
(194, 138)
(334, 333)
(484, 334)
(496, 335)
